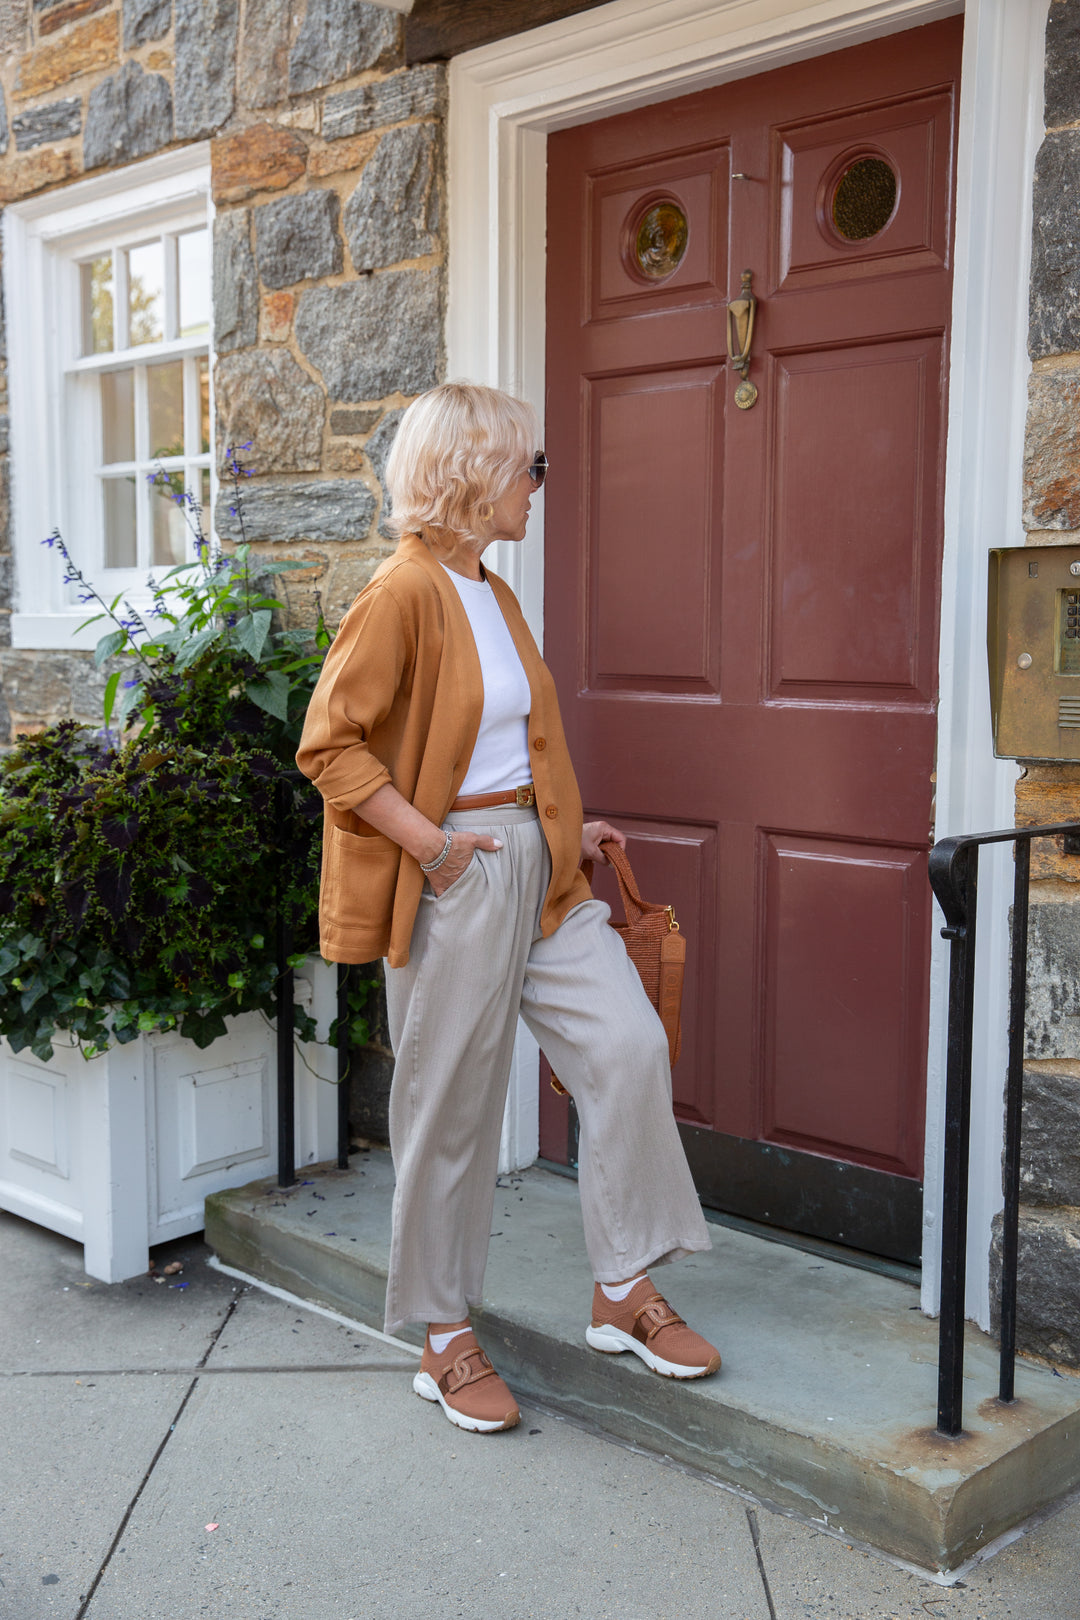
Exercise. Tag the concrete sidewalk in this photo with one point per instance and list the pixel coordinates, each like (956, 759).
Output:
(826, 1404)
(137, 1416)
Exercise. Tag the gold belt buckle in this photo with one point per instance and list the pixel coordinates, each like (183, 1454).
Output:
(525, 797)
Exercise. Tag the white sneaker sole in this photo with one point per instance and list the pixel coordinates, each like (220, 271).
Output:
(612, 1341)
(428, 1390)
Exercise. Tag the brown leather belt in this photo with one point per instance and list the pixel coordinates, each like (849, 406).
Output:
(523, 797)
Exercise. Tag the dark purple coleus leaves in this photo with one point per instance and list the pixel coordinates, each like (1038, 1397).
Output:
(120, 834)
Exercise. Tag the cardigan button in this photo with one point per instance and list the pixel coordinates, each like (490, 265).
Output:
(540, 743)
(552, 811)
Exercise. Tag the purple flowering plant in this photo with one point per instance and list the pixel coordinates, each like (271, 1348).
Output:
(211, 636)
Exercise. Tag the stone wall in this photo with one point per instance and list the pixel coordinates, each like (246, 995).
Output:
(1049, 1264)
(327, 157)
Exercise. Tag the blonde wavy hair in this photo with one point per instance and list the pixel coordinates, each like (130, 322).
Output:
(459, 448)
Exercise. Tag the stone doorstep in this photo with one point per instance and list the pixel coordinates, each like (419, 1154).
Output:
(826, 1403)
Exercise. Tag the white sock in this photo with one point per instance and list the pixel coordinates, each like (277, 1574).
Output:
(439, 1341)
(617, 1292)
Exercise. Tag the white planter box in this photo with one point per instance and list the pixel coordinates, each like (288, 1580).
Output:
(120, 1152)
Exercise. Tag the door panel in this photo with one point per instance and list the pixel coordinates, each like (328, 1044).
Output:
(622, 194)
(848, 534)
(915, 134)
(641, 638)
(847, 1013)
(741, 604)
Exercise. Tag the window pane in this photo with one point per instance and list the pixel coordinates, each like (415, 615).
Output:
(165, 395)
(118, 415)
(119, 522)
(97, 301)
(194, 256)
(204, 497)
(146, 293)
(204, 405)
(169, 524)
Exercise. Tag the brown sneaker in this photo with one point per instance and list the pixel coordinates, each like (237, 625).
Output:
(645, 1323)
(466, 1386)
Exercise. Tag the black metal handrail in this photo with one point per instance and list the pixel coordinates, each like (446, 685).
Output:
(954, 877)
(286, 1029)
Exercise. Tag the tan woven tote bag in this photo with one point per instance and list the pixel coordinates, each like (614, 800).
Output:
(654, 943)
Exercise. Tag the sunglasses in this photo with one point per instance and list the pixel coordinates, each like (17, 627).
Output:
(538, 471)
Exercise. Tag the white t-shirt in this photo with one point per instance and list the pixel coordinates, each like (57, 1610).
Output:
(500, 759)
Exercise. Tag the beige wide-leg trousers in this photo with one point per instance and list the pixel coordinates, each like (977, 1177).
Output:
(477, 960)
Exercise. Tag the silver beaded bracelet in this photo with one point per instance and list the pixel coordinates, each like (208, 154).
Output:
(432, 866)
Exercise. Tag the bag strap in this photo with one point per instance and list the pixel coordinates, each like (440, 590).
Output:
(627, 882)
(634, 906)
(672, 973)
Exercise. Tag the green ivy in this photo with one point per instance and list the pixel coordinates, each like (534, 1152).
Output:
(142, 867)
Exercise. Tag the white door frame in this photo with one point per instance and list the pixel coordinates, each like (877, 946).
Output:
(504, 98)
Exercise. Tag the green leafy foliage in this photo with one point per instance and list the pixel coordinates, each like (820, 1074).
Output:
(139, 886)
(142, 869)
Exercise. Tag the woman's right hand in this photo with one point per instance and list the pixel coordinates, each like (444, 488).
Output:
(393, 816)
(461, 853)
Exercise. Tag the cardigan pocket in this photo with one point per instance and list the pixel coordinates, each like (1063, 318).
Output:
(359, 879)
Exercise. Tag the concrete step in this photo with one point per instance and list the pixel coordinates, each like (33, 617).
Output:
(826, 1403)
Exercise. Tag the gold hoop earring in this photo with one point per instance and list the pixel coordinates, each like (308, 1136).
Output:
(487, 512)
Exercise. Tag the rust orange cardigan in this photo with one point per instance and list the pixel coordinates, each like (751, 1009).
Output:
(399, 700)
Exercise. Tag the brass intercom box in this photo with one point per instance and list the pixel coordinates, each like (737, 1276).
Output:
(1033, 642)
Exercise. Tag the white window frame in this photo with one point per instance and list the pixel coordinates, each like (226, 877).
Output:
(504, 99)
(52, 458)
(82, 403)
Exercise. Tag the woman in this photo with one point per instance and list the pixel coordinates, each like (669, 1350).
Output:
(453, 842)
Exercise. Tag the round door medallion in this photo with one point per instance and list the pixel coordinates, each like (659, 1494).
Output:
(658, 240)
(864, 199)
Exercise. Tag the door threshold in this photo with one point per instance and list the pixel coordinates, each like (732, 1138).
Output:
(879, 1264)
(567, 1170)
(792, 1190)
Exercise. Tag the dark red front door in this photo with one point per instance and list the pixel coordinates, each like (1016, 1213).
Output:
(741, 603)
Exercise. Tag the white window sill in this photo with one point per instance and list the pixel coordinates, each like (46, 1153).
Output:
(55, 632)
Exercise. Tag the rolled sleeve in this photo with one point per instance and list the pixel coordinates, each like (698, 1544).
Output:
(352, 697)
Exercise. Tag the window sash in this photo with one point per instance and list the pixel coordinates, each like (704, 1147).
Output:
(191, 464)
(82, 410)
(55, 454)
(144, 354)
(171, 285)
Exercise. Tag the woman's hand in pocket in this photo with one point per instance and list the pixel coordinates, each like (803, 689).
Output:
(461, 853)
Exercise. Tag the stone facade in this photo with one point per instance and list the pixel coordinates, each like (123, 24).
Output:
(1048, 1299)
(327, 159)
(327, 164)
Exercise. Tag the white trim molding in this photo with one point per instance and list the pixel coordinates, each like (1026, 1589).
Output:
(1001, 128)
(40, 236)
(506, 97)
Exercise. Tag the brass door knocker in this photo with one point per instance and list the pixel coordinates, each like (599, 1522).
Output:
(740, 336)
